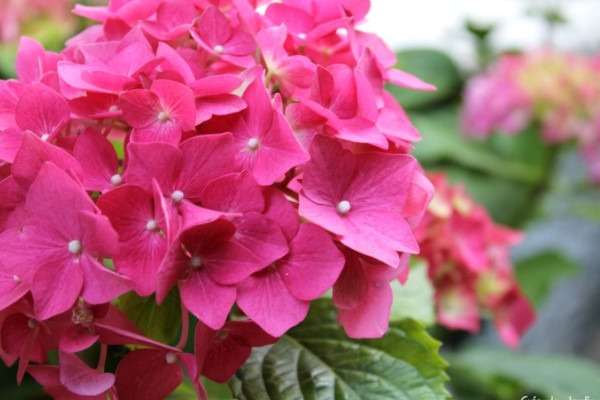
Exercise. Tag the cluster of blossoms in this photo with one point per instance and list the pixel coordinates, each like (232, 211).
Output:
(468, 258)
(262, 164)
(560, 92)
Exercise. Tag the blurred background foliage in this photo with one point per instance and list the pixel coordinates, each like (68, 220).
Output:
(522, 182)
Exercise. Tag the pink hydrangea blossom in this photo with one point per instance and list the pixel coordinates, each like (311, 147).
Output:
(560, 92)
(468, 260)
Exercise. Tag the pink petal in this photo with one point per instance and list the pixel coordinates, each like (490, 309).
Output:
(313, 265)
(81, 379)
(32, 155)
(213, 27)
(130, 209)
(146, 375)
(10, 143)
(216, 85)
(41, 110)
(409, 81)
(55, 288)
(76, 339)
(513, 318)
(224, 104)
(262, 238)
(233, 193)
(178, 101)
(281, 210)
(100, 284)
(140, 107)
(174, 62)
(200, 166)
(222, 358)
(207, 300)
(97, 158)
(265, 299)
(457, 308)
(11, 289)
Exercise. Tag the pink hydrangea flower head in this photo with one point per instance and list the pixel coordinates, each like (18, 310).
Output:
(468, 260)
(224, 153)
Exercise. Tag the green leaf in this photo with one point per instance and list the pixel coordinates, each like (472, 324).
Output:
(434, 67)
(548, 375)
(161, 323)
(518, 158)
(317, 361)
(414, 299)
(539, 273)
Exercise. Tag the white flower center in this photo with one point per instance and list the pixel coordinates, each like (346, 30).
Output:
(151, 225)
(196, 262)
(302, 36)
(253, 144)
(45, 137)
(219, 48)
(113, 109)
(177, 196)
(164, 116)
(343, 207)
(342, 32)
(171, 358)
(74, 247)
(116, 180)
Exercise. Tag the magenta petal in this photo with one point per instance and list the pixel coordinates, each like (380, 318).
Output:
(101, 285)
(30, 60)
(313, 265)
(76, 339)
(207, 300)
(409, 81)
(98, 237)
(233, 193)
(97, 158)
(146, 375)
(148, 161)
(81, 379)
(261, 237)
(140, 107)
(213, 27)
(130, 209)
(265, 299)
(42, 110)
(200, 166)
(32, 155)
(11, 289)
(281, 210)
(224, 104)
(10, 142)
(56, 287)
(178, 101)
